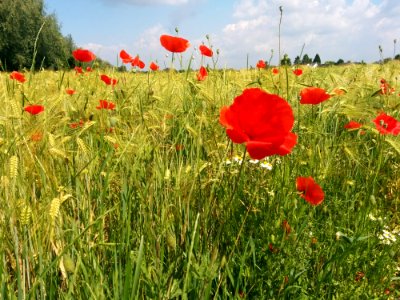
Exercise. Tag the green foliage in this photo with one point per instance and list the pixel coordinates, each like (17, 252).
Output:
(159, 207)
(20, 26)
(285, 61)
(317, 59)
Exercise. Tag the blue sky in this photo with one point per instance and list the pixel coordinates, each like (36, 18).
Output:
(351, 30)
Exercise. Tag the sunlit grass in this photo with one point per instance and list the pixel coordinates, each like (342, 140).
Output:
(149, 199)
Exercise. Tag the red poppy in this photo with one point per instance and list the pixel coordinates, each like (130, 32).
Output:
(107, 80)
(313, 95)
(202, 74)
(89, 69)
(286, 227)
(386, 89)
(104, 104)
(310, 190)
(78, 70)
(36, 137)
(262, 121)
(76, 125)
(70, 91)
(18, 76)
(261, 64)
(154, 66)
(83, 55)
(136, 62)
(387, 124)
(34, 109)
(174, 44)
(126, 58)
(275, 71)
(353, 125)
(204, 50)
(297, 72)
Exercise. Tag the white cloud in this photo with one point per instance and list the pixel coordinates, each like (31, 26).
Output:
(334, 29)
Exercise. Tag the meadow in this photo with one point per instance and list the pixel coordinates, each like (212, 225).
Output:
(145, 196)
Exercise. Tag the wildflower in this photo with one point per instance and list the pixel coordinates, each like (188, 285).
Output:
(254, 161)
(105, 105)
(18, 76)
(204, 50)
(36, 137)
(202, 74)
(387, 124)
(77, 124)
(353, 125)
(386, 89)
(275, 71)
(262, 121)
(298, 72)
(78, 70)
(174, 44)
(136, 62)
(266, 165)
(70, 91)
(126, 58)
(34, 109)
(89, 69)
(237, 159)
(107, 80)
(261, 64)
(154, 66)
(310, 190)
(83, 55)
(313, 95)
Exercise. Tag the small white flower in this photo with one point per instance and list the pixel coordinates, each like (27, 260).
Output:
(371, 217)
(237, 159)
(254, 161)
(228, 162)
(266, 165)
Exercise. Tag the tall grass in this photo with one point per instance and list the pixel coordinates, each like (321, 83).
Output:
(148, 200)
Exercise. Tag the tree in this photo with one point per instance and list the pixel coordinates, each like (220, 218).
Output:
(340, 61)
(306, 59)
(317, 59)
(285, 61)
(297, 60)
(27, 34)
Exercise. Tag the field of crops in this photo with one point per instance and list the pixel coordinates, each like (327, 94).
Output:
(125, 188)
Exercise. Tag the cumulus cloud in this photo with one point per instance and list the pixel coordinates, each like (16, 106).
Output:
(332, 28)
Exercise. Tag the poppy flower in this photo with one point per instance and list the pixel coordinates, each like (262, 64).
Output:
(89, 69)
(387, 124)
(34, 109)
(36, 137)
(202, 74)
(107, 80)
(83, 55)
(154, 66)
(70, 91)
(313, 95)
(18, 76)
(126, 58)
(310, 190)
(353, 125)
(386, 89)
(297, 72)
(174, 44)
(77, 124)
(204, 50)
(275, 71)
(261, 64)
(136, 62)
(262, 121)
(104, 104)
(78, 70)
